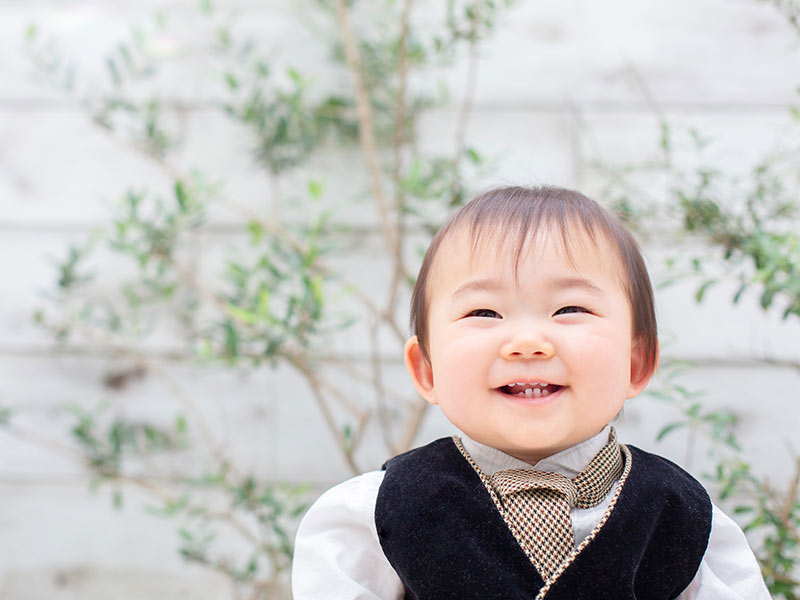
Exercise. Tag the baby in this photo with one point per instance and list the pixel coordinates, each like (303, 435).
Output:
(534, 321)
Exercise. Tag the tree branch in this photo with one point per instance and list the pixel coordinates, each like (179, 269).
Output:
(466, 104)
(418, 410)
(399, 275)
(366, 132)
(315, 385)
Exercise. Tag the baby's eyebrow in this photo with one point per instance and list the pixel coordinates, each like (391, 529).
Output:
(477, 285)
(578, 282)
(562, 283)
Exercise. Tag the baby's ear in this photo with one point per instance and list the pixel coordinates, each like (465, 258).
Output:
(420, 369)
(643, 367)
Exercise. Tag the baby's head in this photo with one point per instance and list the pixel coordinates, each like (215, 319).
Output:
(532, 286)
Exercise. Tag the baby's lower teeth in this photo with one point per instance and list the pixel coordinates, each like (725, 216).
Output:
(537, 392)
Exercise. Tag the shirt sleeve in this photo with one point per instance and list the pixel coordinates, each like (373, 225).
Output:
(729, 570)
(337, 552)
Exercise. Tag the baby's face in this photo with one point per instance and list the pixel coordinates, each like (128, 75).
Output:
(534, 362)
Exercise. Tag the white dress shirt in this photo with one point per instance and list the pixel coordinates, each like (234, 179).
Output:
(338, 554)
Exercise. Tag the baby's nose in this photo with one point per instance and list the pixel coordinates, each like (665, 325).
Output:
(528, 345)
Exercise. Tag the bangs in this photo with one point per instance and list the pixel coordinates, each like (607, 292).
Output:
(506, 223)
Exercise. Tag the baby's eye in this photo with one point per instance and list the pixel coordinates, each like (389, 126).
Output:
(484, 312)
(570, 309)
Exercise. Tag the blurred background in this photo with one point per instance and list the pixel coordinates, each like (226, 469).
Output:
(212, 213)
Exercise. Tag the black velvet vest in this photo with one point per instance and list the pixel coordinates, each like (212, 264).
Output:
(445, 538)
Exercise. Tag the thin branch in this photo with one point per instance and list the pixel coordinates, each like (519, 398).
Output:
(225, 517)
(769, 572)
(790, 10)
(103, 340)
(319, 383)
(358, 434)
(647, 94)
(347, 366)
(780, 362)
(366, 132)
(340, 396)
(418, 410)
(143, 483)
(276, 200)
(37, 439)
(470, 89)
(191, 406)
(400, 107)
(790, 500)
(315, 386)
(399, 275)
(148, 485)
(619, 178)
(379, 390)
(314, 380)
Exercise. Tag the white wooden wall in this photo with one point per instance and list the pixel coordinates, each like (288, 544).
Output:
(561, 85)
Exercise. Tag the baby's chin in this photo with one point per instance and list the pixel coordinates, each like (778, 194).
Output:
(522, 449)
(532, 455)
(547, 444)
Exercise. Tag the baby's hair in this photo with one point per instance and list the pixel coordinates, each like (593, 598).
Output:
(520, 213)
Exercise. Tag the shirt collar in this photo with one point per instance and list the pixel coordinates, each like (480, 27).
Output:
(568, 462)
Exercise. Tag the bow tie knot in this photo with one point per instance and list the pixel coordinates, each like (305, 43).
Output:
(512, 481)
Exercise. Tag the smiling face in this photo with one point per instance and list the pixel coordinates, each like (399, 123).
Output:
(530, 357)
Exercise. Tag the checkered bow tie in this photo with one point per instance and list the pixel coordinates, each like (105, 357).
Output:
(537, 504)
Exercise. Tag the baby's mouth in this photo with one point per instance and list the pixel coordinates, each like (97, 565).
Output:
(529, 390)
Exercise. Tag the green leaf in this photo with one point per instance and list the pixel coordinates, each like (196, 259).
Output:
(666, 430)
(180, 425)
(315, 189)
(701, 291)
(232, 81)
(694, 410)
(262, 69)
(113, 71)
(231, 340)
(240, 314)
(792, 309)
(125, 53)
(347, 435)
(256, 231)
(31, 31)
(294, 76)
(738, 295)
(316, 289)
(224, 38)
(766, 299)
(473, 156)
(180, 195)
(263, 303)
(665, 138)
